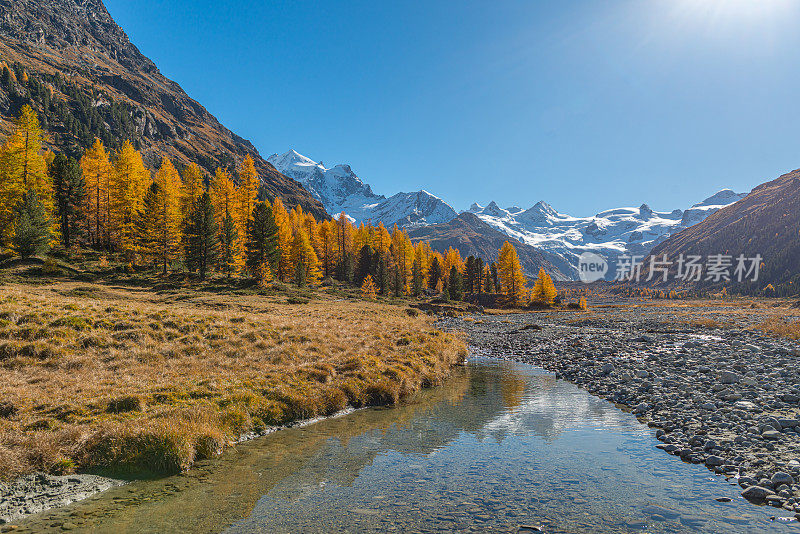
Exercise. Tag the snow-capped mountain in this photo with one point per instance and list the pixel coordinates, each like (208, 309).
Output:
(340, 190)
(611, 233)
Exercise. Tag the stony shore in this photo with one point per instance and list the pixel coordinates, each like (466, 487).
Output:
(727, 398)
(39, 492)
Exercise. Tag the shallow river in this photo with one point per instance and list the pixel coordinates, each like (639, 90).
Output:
(501, 446)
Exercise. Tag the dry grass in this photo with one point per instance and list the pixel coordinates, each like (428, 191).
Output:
(131, 381)
(780, 326)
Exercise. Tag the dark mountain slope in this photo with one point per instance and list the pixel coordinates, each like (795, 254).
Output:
(86, 79)
(765, 222)
(473, 237)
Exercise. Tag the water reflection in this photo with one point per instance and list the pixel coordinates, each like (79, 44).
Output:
(500, 446)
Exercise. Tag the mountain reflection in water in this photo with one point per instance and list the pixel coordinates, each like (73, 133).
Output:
(498, 446)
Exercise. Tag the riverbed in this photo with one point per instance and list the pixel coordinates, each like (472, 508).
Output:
(503, 446)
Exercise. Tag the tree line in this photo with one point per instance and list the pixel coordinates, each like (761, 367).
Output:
(170, 219)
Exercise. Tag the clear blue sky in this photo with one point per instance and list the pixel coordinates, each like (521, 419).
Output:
(584, 104)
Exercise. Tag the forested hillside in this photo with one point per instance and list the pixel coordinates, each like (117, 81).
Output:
(77, 69)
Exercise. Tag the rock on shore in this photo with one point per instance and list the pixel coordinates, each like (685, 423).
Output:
(40, 492)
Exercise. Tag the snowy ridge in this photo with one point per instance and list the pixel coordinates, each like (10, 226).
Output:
(610, 233)
(340, 190)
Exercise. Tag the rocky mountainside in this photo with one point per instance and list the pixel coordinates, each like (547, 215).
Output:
(340, 190)
(77, 68)
(610, 233)
(765, 222)
(473, 237)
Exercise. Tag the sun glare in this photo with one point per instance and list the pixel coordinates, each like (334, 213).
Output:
(737, 9)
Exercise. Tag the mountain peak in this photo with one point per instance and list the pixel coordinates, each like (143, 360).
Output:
(340, 190)
(292, 157)
(721, 198)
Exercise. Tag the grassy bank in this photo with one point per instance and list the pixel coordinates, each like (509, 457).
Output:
(132, 380)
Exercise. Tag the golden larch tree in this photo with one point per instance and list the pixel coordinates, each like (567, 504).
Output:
(368, 289)
(129, 182)
(247, 190)
(285, 270)
(512, 281)
(193, 187)
(98, 174)
(304, 259)
(544, 291)
(22, 167)
(168, 236)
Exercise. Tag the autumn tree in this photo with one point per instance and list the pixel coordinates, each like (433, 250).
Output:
(512, 281)
(97, 175)
(202, 237)
(22, 168)
(368, 289)
(261, 246)
(69, 193)
(285, 271)
(345, 246)
(247, 190)
(329, 250)
(128, 184)
(146, 223)
(168, 234)
(305, 261)
(544, 291)
(192, 188)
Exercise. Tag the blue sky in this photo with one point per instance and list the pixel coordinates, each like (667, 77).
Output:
(584, 104)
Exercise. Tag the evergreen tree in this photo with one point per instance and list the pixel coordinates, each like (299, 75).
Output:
(202, 246)
(488, 283)
(434, 273)
(495, 278)
(479, 267)
(261, 246)
(417, 276)
(455, 284)
(364, 267)
(229, 245)
(32, 229)
(381, 271)
(470, 275)
(69, 191)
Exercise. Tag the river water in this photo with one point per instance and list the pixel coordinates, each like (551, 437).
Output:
(501, 446)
